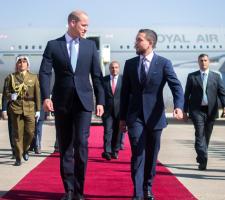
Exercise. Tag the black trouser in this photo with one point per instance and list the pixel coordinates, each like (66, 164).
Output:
(112, 134)
(203, 129)
(73, 132)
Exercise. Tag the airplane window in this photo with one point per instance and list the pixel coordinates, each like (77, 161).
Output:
(167, 46)
(181, 46)
(174, 46)
(221, 46)
(121, 46)
(194, 47)
(214, 46)
(200, 46)
(128, 46)
(19, 47)
(207, 46)
(40, 47)
(33, 47)
(26, 47)
(187, 46)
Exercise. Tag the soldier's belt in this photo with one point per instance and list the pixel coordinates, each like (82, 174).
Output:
(25, 98)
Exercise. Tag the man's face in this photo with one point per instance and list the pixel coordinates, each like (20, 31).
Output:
(79, 29)
(114, 69)
(203, 63)
(22, 65)
(142, 45)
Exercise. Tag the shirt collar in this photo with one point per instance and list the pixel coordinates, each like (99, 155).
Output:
(206, 71)
(115, 77)
(148, 57)
(69, 38)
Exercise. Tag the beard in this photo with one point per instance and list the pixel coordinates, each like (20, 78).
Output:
(140, 51)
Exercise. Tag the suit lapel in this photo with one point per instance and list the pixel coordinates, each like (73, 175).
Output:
(118, 84)
(109, 85)
(210, 80)
(136, 70)
(152, 67)
(199, 79)
(65, 52)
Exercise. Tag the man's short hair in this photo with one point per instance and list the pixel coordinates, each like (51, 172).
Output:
(202, 55)
(75, 15)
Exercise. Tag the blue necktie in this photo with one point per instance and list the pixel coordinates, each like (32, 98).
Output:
(204, 83)
(73, 55)
(142, 72)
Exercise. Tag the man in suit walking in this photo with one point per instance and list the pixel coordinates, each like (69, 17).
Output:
(201, 102)
(112, 133)
(73, 59)
(142, 108)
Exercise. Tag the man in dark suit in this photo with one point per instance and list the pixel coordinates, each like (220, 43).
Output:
(142, 108)
(201, 102)
(6, 116)
(73, 59)
(112, 133)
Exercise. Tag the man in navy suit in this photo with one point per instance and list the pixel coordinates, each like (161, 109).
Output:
(73, 59)
(142, 108)
(201, 102)
(112, 133)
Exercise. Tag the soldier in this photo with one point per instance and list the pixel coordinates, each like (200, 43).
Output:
(23, 92)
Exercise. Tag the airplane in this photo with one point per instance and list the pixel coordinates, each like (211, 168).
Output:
(181, 45)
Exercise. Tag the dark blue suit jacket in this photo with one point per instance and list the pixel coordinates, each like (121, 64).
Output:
(148, 99)
(194, 94)
(66, 81)
(112, 102)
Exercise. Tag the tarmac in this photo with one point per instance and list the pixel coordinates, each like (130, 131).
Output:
(177, 154)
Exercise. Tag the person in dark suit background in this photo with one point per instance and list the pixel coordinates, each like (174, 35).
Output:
(112, 133)
(6, 116)
(201, 102)
(142, 108)
(73, 59)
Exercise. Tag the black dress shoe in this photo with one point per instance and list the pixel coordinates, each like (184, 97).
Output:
(106, 155)
(114, 155)
(137, 198)
(78, 197)
(17, 163)
(148, 195)
(25, 155)
(68, 196)
(37, 150)
(202, 166)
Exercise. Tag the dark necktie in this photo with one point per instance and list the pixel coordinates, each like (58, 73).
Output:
(142, 72)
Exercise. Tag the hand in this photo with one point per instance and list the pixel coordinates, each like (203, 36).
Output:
(48, 105)
(123, 126)
(99, 110)
(4, 115)
(223, 113)
(37, 116)
(178, 114)
(14, 96)
(185, 117)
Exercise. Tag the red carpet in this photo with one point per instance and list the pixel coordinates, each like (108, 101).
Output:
(105, 179)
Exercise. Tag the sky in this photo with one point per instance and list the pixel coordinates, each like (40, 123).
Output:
(114, 13)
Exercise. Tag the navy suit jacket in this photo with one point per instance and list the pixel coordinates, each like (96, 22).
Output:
(194, 93)
(66, 81)
(148, 98)
(112, 102)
